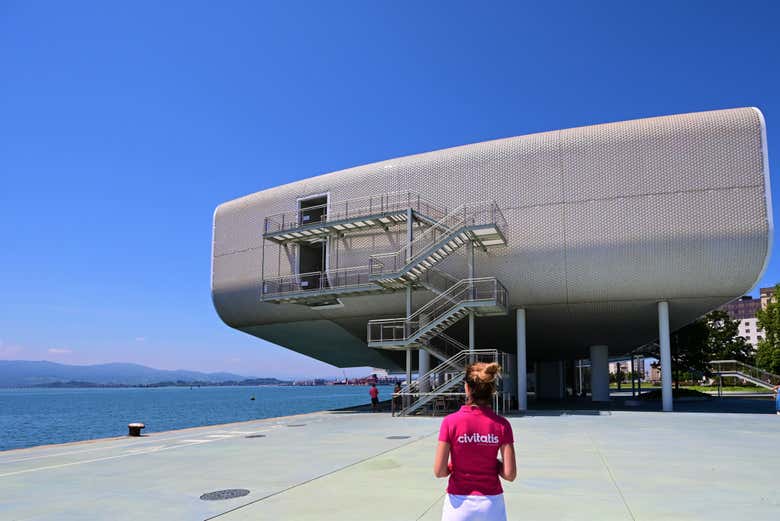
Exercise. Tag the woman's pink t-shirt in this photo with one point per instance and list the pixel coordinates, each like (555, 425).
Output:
(475, 435)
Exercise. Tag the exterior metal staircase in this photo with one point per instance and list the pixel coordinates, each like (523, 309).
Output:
(482, 296)
(481, 223)
(428, 387)
(443, 347)
(315, 223)
(439, 234)
(436, 280)
(744, 372)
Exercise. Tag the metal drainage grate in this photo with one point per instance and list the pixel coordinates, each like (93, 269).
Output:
(255, 436)
(398, 437)
(229, 493)
(296, 424)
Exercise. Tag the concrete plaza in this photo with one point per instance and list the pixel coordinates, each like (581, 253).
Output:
(581, 464)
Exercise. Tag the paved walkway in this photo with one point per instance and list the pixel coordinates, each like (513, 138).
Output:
(581, 465)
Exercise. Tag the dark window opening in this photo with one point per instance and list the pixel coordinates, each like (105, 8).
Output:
(311, 264)
(313, 209)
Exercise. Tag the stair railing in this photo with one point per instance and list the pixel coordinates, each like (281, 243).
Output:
(316, 281)
(466, 291)
(472, 214)
(737, 367)
(437, 280)
(414, 399)
(353, 209)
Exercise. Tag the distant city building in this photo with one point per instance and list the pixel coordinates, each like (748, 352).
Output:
(744, 309)
(625, 368)
(654, 373)
(766, 295)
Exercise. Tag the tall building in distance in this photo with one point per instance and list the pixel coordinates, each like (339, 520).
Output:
(744, 309)
(766, 296)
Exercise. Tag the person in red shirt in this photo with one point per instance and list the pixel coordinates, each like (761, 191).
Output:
(470, 440)
(374, 392)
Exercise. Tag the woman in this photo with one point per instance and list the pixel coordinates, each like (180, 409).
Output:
(472, 438)
(396, 398)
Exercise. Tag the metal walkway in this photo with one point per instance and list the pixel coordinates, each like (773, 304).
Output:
(313, 223)
(745, 372)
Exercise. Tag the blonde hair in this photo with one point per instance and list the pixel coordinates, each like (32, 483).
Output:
(481, 377)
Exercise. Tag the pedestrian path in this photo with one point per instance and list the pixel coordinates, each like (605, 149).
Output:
(356, 466)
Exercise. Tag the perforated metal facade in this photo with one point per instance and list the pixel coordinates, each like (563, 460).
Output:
(604, 221)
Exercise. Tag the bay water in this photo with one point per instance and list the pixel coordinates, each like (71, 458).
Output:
(30, 417)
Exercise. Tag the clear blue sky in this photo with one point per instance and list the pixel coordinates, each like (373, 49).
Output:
(123, 126)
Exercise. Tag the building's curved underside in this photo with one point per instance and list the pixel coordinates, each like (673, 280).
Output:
(603, 222)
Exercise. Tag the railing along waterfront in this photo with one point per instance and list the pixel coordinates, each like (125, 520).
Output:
(484, 289)
(476, 214)
(352, 209)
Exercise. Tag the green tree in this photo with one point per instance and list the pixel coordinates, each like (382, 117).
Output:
(712, 337)
(688, 348)
(768, 353)
(723, 341)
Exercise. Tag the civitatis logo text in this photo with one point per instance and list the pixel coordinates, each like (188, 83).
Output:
(476, 437)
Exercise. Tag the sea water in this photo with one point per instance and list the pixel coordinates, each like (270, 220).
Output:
(30, 417)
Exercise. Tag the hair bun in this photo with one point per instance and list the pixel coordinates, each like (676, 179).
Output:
(485, 373)
(489, 372)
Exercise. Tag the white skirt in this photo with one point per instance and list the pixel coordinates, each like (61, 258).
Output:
(473, 508)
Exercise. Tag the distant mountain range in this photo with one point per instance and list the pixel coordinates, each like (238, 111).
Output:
(23, 373)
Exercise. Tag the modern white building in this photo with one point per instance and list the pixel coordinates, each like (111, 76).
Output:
(552, 247)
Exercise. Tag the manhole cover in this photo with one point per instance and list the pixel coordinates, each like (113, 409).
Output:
(256, 436)
(224, 494)
(398, 437)
(296, 424)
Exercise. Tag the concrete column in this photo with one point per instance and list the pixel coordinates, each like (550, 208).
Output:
(408, 366)
(666, 356)
(640, 373)
(599, 373)
(424, 365)
(522, 384)
(633, 376)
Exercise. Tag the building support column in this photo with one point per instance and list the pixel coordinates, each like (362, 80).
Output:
(423, 366)
(666, 356)
(599, 373)
(640, 373)
(522, 371)
(408, 366)
(633, 377)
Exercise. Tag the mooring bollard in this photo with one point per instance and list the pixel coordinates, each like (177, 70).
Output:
(135, 429)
